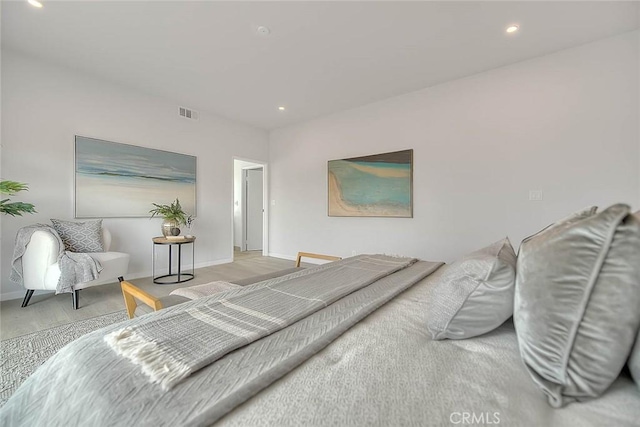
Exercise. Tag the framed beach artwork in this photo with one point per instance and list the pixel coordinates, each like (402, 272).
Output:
(379, 185)
(115, 180)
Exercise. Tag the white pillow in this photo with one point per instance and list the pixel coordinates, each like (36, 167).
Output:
(475, 294)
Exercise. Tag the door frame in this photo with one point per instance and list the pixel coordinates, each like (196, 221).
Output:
(265, 204)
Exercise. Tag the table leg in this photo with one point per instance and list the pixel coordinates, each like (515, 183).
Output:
(153, 264)
(179, 261)
(165, 279)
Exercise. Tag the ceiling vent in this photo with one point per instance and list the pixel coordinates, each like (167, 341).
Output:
(188, 113)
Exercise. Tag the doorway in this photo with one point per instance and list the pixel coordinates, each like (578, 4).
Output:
(253, 209)
(249, 209)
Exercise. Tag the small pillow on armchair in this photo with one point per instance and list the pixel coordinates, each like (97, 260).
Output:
(80, 236)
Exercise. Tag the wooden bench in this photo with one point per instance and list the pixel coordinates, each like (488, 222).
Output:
(317, 256)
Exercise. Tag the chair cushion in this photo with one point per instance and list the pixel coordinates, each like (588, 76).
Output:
(114, 264)
(80, 236)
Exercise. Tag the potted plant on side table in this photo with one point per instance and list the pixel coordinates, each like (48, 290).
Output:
(173, 216)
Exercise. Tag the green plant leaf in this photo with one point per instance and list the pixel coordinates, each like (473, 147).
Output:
(16, 208)
(173, 211)
(12, 187)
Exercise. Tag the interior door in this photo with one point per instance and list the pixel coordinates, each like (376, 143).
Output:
(254, 209)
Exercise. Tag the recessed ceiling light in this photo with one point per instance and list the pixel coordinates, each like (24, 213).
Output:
(512, 28)
(281, 108)
(263, 31)
(35, 3)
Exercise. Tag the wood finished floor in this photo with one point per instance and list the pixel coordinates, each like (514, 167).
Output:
(48, 310)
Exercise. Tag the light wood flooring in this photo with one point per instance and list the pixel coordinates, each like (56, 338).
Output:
(48, 310)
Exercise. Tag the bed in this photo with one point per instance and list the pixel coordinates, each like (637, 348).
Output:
(388, 371)
(385, 369)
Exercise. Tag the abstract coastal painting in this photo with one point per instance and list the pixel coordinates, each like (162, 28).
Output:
(120, 180)
(379, 185)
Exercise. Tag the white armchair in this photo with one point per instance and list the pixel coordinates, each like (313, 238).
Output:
(41, 270)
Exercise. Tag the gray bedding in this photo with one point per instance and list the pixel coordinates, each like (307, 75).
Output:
(385, 370)
(170, 347)
(87, 383)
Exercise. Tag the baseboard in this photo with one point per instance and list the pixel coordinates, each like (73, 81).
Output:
(281, 256)
(129, 276)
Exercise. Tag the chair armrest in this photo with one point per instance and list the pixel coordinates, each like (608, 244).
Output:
(40, 254)
(318, 256)
(130, 292)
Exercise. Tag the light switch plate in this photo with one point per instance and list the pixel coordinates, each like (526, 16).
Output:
(535, 195)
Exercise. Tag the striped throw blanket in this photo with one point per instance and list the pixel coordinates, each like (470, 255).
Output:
(171, 348)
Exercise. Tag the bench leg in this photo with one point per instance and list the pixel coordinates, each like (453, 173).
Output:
(27, 297)
(130, 292)
(75, 299)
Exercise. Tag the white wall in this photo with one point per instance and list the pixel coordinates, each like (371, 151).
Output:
(565, 123)
(43, 108)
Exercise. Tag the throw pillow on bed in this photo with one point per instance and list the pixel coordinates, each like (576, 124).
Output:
(634, 361)
(576, 304)
(474, 295)
(80, 236)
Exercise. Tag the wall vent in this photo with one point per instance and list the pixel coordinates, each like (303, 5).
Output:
(188, 113)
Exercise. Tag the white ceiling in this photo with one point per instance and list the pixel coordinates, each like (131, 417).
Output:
(321, 57)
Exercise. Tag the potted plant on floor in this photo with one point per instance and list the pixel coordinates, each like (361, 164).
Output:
(173, 216)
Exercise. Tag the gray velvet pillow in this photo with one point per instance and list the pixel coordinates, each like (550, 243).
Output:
(80, 236)
(634, 361)
(474, 295)
(576, 304)
(574, 217)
